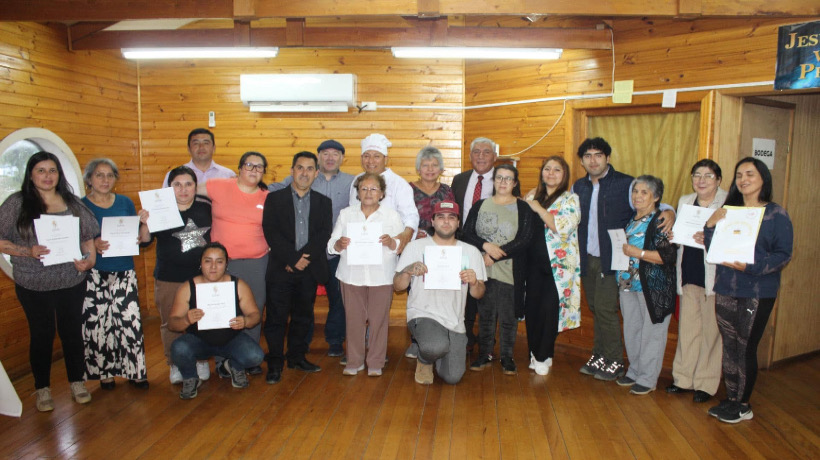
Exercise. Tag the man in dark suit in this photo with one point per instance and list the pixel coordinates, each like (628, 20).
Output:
(469, 187)
(297, 225)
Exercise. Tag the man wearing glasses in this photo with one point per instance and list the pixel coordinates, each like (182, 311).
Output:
(201, 148)
(297, 225)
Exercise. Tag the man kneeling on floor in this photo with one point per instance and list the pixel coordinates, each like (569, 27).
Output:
(212, 309)
(435, 313)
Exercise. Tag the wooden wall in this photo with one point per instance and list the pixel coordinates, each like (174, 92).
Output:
(89, 99)
(176, 97)
(656, 54)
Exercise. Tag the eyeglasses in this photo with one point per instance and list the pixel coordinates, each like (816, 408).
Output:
(369, 189)
(699, 176)
(504, 179)
(253, 167)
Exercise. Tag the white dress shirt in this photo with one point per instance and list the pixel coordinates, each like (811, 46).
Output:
(486, 191)
(366, 275)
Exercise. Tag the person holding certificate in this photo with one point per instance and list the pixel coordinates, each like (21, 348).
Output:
(237, 206)
(198, 298)
(367, 287)
(51, 296)
(178, 252)
(647, 288)
(112, 327)
(553, 301)
(502, 228)
(745, 292)
(435, 317)
(698, 356)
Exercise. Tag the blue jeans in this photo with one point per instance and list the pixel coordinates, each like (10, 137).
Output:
(335, 324)
(242, 350)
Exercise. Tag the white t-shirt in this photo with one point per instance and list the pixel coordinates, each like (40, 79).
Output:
(444, 306)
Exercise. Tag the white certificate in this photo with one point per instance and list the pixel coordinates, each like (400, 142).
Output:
(735, 236)
(122, 234)
(218, 301)
(364, 247)
(690, 220)
(162, 208)
(61, 235)
(443, 266)
(620, 261)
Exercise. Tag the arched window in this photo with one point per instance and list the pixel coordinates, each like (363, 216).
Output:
(16, 149)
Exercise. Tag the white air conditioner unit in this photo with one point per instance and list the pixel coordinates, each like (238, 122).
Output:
(298, 92)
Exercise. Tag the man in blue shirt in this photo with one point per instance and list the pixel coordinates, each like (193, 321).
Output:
(334, 184)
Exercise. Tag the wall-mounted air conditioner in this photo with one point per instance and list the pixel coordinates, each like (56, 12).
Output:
(298, 92)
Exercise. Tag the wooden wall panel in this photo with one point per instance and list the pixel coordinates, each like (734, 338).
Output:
(89, 99)
(797, 319)
(656, 54)
(176, 97)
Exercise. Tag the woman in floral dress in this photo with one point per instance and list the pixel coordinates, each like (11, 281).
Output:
(553, 307)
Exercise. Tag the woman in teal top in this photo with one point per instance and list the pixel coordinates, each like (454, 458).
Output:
(112, 327)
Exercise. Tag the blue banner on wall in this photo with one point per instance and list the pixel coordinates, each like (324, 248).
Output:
(798, 56)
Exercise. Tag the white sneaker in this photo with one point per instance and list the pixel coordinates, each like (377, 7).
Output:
(79, 393)
(532, 361)
(543, 367)
(203, 370)
(44, 402)
(175, 375)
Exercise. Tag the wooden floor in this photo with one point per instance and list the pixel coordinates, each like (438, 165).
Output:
(488, 415)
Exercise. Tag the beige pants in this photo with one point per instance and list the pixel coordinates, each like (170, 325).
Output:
(697, 362)
(366, 306)
(164, 292)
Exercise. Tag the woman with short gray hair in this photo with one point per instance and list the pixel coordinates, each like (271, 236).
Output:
(647, 288)
(428, 190)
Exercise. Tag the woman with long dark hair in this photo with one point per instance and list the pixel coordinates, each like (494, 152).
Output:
(745, 293)
(553, 299)
(51, 296)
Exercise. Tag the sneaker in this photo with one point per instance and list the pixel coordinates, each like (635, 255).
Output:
(44, 402)
(79, 393)
(611, 371)
(508, 366)
(638, 389)
(482, 362)
(343, 361)
(532, 361)
(625, 381)
(715, 411)
(424, 373)
(203, 370)
(238, 377)
(543, 367)
(175, 375)
(736, 413)
(189, 387)
(374, 372)
(335, 351)
(594, 363)
(220, 369)
(352, 370)
(254, 370)
(412, 351)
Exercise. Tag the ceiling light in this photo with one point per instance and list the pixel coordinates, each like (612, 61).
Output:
(463, 52)
(198, 53)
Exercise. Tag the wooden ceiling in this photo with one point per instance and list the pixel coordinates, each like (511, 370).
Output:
(374, 23)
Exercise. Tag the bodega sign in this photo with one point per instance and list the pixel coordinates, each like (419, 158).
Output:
(798, 56)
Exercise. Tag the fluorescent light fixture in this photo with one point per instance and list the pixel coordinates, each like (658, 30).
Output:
(464, 52)
(298, 107)
(199, 53)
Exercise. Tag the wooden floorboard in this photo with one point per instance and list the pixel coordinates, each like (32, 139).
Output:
(564, 415)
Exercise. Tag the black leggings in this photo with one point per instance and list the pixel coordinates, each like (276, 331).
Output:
(41, 308)
(742, 322)
(541, 310)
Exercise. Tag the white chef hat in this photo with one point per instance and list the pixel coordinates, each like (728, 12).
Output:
(376, 142)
